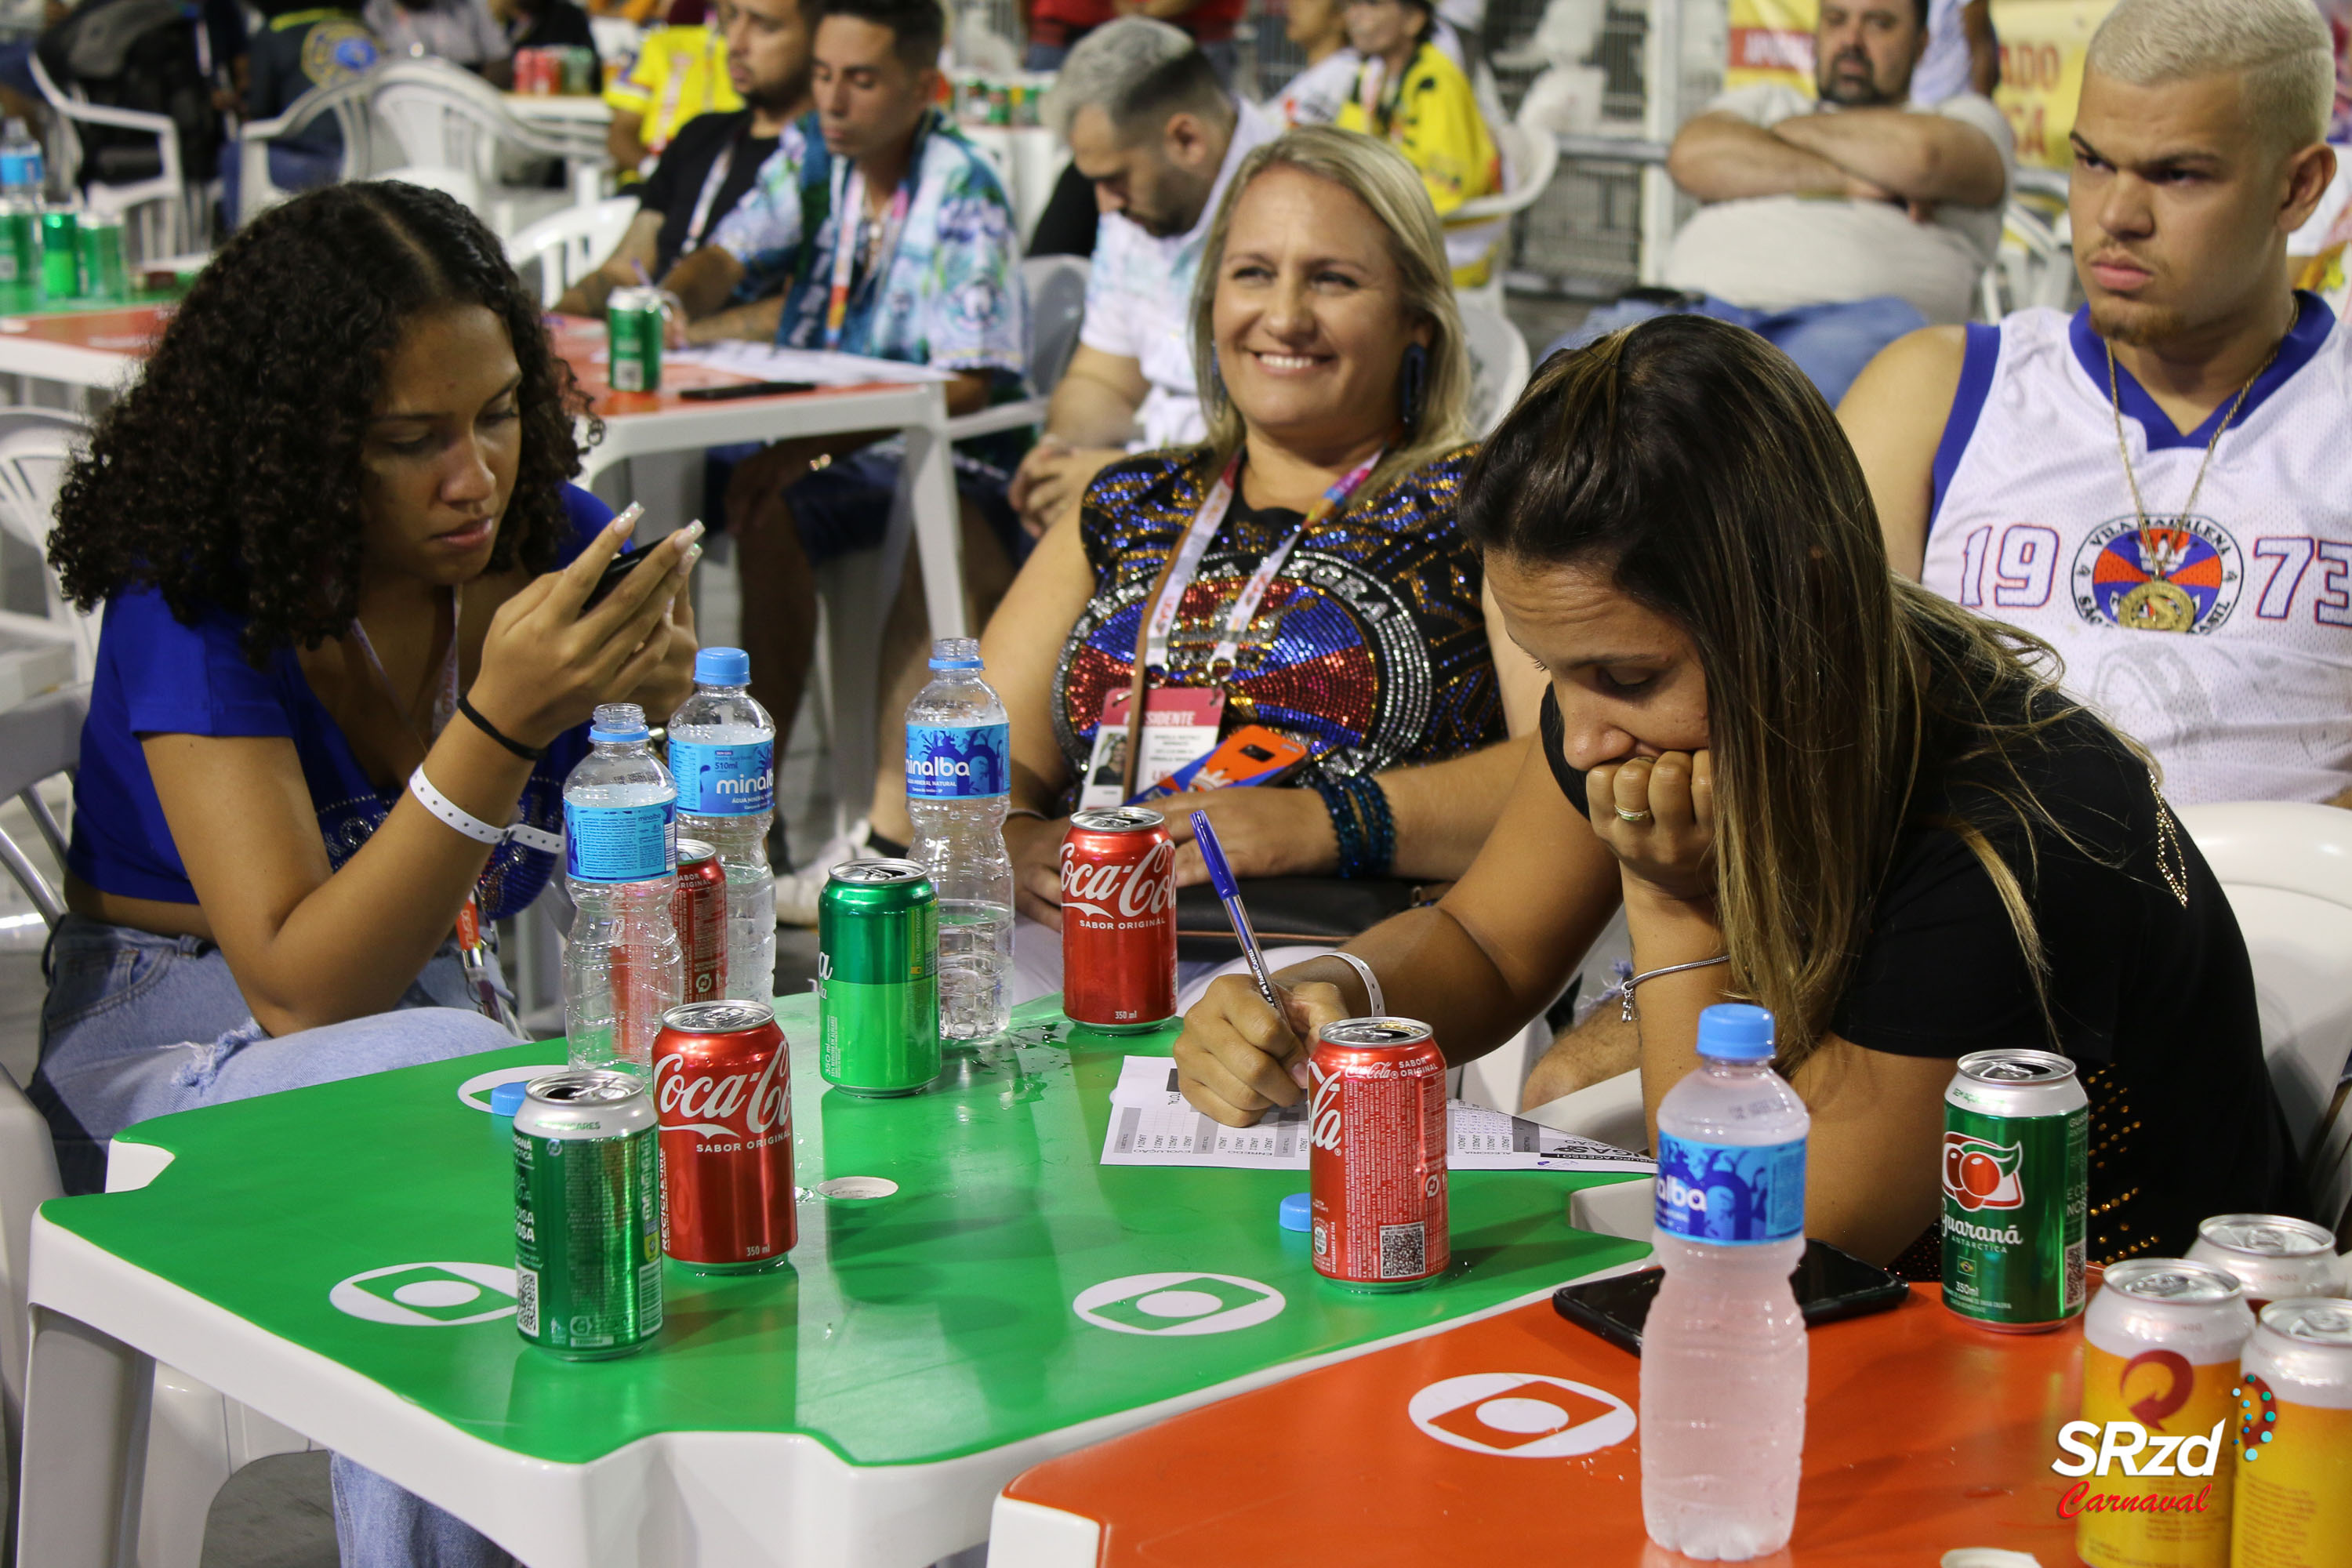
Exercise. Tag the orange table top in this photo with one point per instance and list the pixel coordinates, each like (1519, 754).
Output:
(1922, 1434)
(123, 330)
(579, 340)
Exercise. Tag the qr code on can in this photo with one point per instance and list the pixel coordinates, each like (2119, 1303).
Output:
(526, 1301)
(1404, 1251)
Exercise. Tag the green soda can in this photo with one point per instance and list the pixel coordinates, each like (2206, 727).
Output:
(878, 990)
(2017, 1134)
(20, 245)
(633, 336)
(103, 273)
(61, 252)
(587, 1151)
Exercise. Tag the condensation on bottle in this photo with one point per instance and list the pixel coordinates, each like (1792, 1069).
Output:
(722, 755)
(622, 966)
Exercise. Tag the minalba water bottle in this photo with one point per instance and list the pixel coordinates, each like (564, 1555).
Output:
(722, 753)
(622, 967)
(959, 767)
(1723, 1350)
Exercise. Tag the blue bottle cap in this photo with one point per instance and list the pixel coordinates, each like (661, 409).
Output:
(722, 666)
(1298, 1212)
(618, 721)
(1736, 1032)
(506, 1098)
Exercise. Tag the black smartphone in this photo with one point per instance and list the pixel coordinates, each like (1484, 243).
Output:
(1831, 1284)
(618, 567)
(744, 389)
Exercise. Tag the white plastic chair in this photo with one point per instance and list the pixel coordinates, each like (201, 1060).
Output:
(446, 118)
(1498, 365)
(35, 446)
(2287, 866)
(345, 101)
(161, 215)
(565, 247)
(1531, 156)
(1056, 286)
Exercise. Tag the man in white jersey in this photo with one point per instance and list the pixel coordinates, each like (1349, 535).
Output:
(2158, 485)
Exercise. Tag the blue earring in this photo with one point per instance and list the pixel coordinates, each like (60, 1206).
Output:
(1412, 384)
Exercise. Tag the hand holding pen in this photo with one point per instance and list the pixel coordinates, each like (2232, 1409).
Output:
(1229, 893)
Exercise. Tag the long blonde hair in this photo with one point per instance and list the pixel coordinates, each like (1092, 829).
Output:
(1697, 466)
(1377, 176)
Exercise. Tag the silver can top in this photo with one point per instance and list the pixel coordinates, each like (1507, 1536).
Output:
(694, 851)
(1118, 819)
(2172, 1281)
(635, 299)
(2014, 1065)
(2265, 1234)
(586, 1102)
(1373, 1033)
(879, 873)
(727, 1017)
(2321, 1321)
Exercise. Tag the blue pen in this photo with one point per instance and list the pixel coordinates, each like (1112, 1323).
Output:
(1221, 877)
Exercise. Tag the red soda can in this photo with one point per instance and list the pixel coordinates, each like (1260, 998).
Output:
(702, 913)
(1119, 919)
(1377, 1165)
(723, 1090)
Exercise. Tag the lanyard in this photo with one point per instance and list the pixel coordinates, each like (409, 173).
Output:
(1184, 563)
(1370, 83)
(472, 950)
(713, 183)
(849, 218)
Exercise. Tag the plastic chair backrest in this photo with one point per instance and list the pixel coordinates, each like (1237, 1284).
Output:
(28, 1178)
(2287, 866)
(36, 446)
(444, 117)
(567, 245)
(1498, 366)
(345, 101)
(1057, 308)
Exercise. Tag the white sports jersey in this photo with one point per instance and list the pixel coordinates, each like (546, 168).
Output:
(2223, 644)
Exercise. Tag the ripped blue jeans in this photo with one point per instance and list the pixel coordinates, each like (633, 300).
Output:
(137, 1025)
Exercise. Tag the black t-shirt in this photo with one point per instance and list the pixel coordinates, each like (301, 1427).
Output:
(674, 187)
(2153, 1000)
(561, 25)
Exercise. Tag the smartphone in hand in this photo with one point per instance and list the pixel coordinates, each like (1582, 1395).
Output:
(618, 567)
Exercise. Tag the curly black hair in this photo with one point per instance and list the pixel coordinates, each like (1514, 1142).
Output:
(229, 475)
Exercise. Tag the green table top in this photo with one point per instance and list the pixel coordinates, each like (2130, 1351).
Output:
(936, 1323)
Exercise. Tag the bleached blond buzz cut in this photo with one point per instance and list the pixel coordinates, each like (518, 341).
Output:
(2280, 49)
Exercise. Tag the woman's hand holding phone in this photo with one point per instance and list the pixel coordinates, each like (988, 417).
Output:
(550, 659)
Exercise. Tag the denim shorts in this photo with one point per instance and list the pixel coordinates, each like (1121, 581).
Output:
(137, 1025)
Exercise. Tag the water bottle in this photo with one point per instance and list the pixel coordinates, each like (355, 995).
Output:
(959, 766)
(23, 167)
(1723, 1350)
(622, 967)
(722, 752)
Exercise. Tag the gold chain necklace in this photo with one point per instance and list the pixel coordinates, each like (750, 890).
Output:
(2158, 605)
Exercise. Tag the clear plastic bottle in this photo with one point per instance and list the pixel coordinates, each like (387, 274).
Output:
(23, 165)
(722, 753)
(622, 967)
(959, 767)
(1723, 1350)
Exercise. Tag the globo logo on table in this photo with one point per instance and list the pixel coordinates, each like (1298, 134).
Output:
(428, 1295)
(1521, 1415)
(1178, 1303)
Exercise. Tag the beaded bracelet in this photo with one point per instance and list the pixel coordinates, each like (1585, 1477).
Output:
(1363, 823)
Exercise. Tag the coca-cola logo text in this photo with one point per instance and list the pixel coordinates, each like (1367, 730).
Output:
(736, 1105)
(1323, 1117)
(1117, 890)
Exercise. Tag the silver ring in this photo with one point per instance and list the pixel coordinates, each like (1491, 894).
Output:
(1633, 815)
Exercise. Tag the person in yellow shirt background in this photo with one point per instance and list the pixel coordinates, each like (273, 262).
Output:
(680, 71)
(1409, 94)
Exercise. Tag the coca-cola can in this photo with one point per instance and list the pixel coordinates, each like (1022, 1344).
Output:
(723, 1090)
(1377, 1165)
(1119, 919)
(702, 913)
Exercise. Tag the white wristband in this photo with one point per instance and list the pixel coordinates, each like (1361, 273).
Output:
(450, 812)
(1377, 1003)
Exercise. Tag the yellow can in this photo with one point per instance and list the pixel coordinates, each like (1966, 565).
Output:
(2161, 1343)
(2293, 1438)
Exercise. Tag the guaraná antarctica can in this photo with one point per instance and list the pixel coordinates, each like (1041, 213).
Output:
(588, 1250)
(2293, 1438)
(2017, 1131)
(1376, 1166)
(633, 340)
(2276, 1257)
(877, 988)
(2160, 1348)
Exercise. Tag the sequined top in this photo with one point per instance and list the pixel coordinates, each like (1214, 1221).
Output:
(1370, 646)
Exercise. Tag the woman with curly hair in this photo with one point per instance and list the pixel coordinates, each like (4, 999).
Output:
(343, 576)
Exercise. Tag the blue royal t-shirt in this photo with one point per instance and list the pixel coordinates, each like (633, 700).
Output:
(157, 677)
